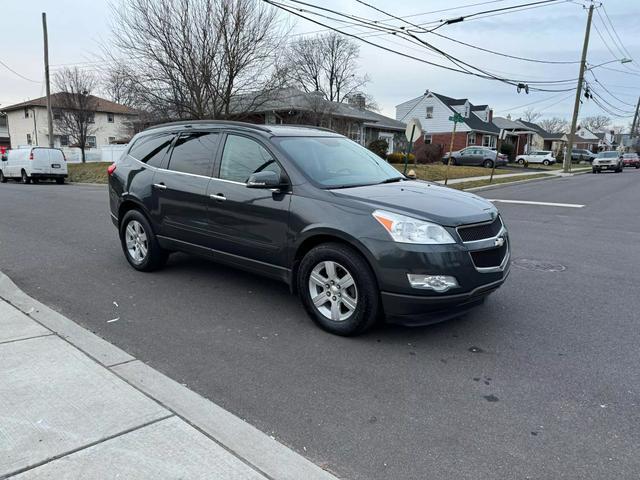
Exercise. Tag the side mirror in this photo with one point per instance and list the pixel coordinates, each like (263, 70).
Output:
(265, 179)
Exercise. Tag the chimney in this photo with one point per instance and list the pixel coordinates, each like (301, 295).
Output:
(490, 115)
(357, 100)
(509, 116)
(426, 92)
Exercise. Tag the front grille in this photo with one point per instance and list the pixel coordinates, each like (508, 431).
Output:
(489, 258)
(480, 232)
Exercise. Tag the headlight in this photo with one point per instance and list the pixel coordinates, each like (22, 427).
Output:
(409, 230)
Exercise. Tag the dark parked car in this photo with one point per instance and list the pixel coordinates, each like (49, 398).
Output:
(481, 156)
(351, 236)
(579, 155)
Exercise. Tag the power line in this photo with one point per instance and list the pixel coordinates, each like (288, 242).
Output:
(17, 73)
(608, 91)
(404, 32)
(624, 49)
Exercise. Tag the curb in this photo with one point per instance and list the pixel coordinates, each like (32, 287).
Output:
(507, 184)
(257, 449)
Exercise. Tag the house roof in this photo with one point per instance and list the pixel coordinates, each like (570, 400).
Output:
(507, 124)
(474, 122)
(294, 99)
(102, 105)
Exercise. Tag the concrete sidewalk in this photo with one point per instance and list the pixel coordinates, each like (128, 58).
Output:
(551, 173)
(74, 406)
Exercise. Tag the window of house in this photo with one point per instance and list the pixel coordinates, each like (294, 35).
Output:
(26, 113)
(427, 139)
(242, 157)
(110, 117)
(471, 138)
(193, 153)
(64, 140)
(488, 141)
(57, 115)
(28, 139)
(151, 149)
(91, 141)
(91, 118)
(3, 121)
(111, 140)
(429, 112)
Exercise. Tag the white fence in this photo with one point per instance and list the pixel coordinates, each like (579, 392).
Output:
(107, 153)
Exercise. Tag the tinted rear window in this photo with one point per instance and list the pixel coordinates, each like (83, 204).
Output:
(193, 153)
(151, 149)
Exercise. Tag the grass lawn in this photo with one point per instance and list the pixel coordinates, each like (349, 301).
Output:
(496, 181)
(436, 171)
(95, 172)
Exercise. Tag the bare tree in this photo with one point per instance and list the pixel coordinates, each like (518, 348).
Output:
(191, 58)
(530, 115)
(74, 106)
(595, 123)
(554, 125)
(327, 64)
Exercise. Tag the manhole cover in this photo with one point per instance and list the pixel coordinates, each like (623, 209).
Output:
(538, 265)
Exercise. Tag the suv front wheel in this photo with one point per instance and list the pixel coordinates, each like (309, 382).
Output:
(139, 243)
(338, 289)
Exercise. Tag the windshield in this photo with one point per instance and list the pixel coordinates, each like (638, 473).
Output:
(608, 155)
(336, 162)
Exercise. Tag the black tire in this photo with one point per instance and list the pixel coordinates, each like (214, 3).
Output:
(521, 161)
(156, 256)
(487, 163)
(367, 310)
(59, 181)
(35, 180)
(593, 170)
(637, 165)
(545, 163)
(3, 179)
(25, 178)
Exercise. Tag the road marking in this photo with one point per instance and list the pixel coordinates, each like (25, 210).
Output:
(544, 204)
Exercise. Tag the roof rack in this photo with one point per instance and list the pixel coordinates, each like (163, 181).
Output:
(210, 122)
(311, 127)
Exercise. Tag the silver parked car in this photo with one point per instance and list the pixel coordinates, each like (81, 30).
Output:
(480, 156)
(607, 161)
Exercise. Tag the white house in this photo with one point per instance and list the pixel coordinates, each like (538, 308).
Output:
(433, 110)
(27, 123)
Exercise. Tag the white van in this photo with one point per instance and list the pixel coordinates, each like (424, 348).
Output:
(33, 164)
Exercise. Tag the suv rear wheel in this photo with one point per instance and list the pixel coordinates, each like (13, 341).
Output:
(3, 179)
(488, 163)
(25, 178)
(338, 289)
(139, 243)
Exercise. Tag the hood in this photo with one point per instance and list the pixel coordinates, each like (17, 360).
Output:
(428, 201)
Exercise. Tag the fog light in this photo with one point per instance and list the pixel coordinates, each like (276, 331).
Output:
(437, 283)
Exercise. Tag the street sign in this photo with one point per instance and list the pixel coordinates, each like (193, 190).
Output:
(456, 118)
(413, 130)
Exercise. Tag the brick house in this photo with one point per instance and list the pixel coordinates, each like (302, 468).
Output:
(433, 110)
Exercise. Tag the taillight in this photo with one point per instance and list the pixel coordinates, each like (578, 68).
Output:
(31, 156)
(111, 168)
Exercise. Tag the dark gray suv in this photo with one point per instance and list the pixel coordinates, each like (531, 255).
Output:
(352, 237)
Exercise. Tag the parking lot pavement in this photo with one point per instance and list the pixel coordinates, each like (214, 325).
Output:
(65, 414)
(540, 382)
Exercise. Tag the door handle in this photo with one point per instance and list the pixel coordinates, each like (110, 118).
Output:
(160, 186)
(220, 197)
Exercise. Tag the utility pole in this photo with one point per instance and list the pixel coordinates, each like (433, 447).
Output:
(46, 78)
(634, 125)
(576, 107)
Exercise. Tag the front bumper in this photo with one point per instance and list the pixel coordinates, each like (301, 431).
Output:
(479, 266)
(416, 310)
(606, 167)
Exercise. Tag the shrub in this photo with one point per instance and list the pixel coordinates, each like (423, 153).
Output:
(379, 147)
(428, 153)
(398, 157)
(508, 149)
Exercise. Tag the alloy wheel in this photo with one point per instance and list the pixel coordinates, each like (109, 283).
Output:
(136, 241)
(333, 291)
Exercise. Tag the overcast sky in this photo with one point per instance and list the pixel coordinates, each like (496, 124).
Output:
(556, 32)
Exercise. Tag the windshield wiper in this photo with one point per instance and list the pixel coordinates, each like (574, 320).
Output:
(391, 180)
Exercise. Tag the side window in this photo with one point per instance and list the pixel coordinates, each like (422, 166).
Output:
(151, 149)
(193, 153)
(242, 157)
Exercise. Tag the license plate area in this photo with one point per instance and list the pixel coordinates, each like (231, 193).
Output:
(55, 165)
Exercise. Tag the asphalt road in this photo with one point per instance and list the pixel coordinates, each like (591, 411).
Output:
(542, 382)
